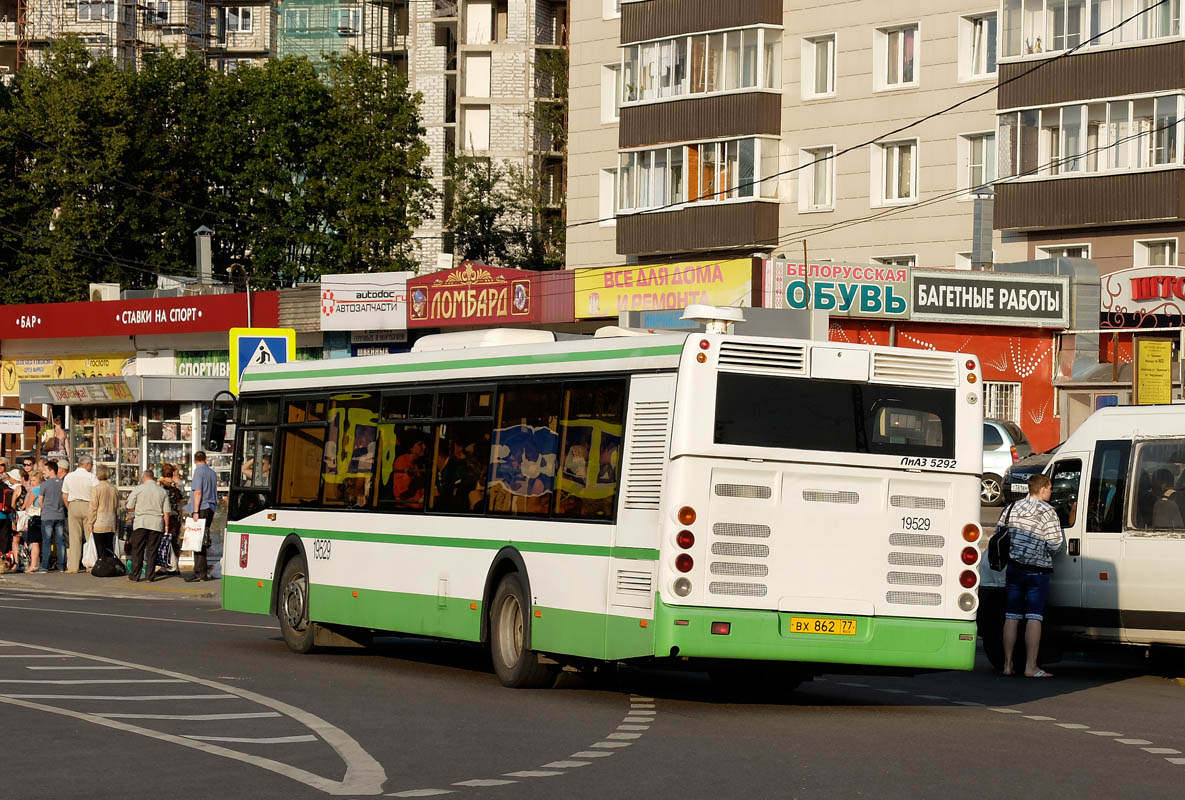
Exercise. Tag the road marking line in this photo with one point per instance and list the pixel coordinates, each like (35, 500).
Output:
(32, 655)
(893, 691)
(639, 713)
(1161, 751)
(484, 782)
(566, 764)
(1103, 733)
(249, 740)
(1175, 760)
(853, 685)
(624, 736)
(198, 717)
(120, 698)
(31, 666)
(611, 744)
(532, 773)
(1133, 741)
(639, 706)
(151, 619)
(363, 775)
(1072, 726)
(633, 727)
(590, 754)
(635, 699)
(1006, 711)
(421, 793)
(638, 719)
(83, 681)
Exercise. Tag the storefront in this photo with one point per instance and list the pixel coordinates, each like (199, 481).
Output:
(368, 308)
(477, 295)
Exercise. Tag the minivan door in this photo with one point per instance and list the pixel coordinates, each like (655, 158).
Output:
(1108, 494)
(1065, 585)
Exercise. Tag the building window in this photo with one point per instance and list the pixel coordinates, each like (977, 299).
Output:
(608, 196)
(1124, 134)
(1156, 253)
(895, 165)
(610, 93)
(726, 61)
(818, 179)
(977, 47)
(1001, 400)
(1065, 251)
(296, 20)
(977, 161)
(238, 19)
(348, 21)
(896, 52)
(818, 66)
(156, 12)
(1033, 27)
(95, 10)
(690, 173)
(896, 261)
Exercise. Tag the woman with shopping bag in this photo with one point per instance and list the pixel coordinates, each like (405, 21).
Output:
(100, 519)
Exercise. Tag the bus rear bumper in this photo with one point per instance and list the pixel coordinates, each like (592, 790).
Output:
(765, 636)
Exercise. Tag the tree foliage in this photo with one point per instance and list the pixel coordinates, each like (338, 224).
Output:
(107, 173)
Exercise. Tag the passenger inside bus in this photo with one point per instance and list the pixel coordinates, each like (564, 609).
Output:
(1165, 511)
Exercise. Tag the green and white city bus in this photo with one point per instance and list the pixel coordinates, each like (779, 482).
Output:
(717, 498)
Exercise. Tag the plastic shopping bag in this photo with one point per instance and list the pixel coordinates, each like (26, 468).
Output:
(90, 553)
(194, 535)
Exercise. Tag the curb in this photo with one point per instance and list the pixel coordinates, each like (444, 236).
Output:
(85, 584)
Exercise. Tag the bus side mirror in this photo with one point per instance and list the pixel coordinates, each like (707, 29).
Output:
(221, 413)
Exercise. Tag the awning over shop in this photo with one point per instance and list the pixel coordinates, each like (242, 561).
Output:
(1106, 376)
(118, 390)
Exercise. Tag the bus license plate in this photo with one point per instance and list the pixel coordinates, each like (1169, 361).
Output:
(825, 626)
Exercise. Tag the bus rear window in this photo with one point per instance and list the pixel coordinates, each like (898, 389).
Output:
(834, 416)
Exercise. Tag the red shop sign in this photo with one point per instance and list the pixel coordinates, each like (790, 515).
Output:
(150, 315)
(472, 294)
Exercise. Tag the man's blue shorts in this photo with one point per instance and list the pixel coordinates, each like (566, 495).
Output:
(1028, 590)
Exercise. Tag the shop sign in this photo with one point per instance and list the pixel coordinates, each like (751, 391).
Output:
(1154, 372)
(608, 291)
(149, 315)
(202, 363)
(1143, 297)
(42, 368)
(96, 392)
(472, 294)
(378, 337)
(12, 420)
(844, 290)
(991, 298)
(364, 301)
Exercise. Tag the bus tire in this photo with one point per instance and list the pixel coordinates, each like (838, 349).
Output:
(292, 606)
(517, 666)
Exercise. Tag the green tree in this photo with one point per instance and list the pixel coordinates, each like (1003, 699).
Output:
(481, 212)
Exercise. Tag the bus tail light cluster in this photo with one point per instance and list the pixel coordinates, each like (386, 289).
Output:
(966, 601)
(682, 587)
(684, 563)
(970, 555)
(971, 532)
(968, 579)
(685, 539)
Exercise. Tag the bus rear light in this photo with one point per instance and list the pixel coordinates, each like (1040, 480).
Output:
(700, 357)
(682, 588)
(970, 363)
(685, 539)
(966, 601)
(721, 628)
(971, 378)
(704, 344)
(684, 563)
(971, 532)
(686, 516)
(970, 555)
(968, 579)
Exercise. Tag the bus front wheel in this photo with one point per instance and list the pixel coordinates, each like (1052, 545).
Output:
(292, 606)
(517, 666)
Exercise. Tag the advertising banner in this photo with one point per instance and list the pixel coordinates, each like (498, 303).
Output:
(1154, 372)
(364, 301)
(1143, 297)
(607, 291)
(991, 298)
(843, 290)
(472, 294)
(42, 368)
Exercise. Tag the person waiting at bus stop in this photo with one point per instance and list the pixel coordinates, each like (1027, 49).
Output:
(1036, 535)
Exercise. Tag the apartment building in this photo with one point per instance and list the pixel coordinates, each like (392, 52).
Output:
(705, 129)
(1091, 140)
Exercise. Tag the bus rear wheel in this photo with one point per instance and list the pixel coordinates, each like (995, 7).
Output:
(292, 606)
(517, 666)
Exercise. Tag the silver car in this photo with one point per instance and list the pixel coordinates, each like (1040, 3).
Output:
(1004, 443)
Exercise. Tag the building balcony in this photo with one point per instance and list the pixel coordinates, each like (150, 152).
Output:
(658, 18)
(1091, 200)
(695, 118)
(699, 227)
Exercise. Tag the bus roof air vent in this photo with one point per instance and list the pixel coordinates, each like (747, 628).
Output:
(716, 319)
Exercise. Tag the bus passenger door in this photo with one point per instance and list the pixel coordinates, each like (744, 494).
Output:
(1065, 585)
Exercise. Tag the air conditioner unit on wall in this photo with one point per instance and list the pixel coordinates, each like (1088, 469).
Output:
(104, 291)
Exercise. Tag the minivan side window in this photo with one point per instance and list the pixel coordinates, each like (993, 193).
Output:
(1066, 475)
(1159, 491)
(1108, 486)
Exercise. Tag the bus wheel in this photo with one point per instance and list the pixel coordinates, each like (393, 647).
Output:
(292, 606)
(517, 667)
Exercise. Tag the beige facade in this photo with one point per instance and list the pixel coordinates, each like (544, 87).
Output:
(849, 73)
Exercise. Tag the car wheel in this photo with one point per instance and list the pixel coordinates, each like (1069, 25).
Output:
(991, 490)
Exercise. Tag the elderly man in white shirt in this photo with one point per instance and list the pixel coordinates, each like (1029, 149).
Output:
(76, 493)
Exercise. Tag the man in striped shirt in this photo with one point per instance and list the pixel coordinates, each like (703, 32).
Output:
(1036, 535)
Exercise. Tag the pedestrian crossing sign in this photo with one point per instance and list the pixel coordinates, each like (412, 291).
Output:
(252, 347)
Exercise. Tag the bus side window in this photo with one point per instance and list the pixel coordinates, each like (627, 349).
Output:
(524, 453)
(300, 465)
(350, 447)
(1066, 475)
(591, 431)
(1108, 486)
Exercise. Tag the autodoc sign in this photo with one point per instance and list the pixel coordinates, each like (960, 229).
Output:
(991, 298)
(846, 290)
(364, 301)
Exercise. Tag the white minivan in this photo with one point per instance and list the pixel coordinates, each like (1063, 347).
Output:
(1119, 489)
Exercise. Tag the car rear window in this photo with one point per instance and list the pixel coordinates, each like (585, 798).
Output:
(991, 436)
(1018, 435)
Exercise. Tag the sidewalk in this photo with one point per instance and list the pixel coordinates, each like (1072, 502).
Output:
(86, 583)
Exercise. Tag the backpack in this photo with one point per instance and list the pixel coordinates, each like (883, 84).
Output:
(108, 567)
(1000, 544)
(5, 497)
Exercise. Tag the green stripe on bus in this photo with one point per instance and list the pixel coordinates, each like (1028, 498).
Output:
(435, 366)
(251, 595)
(420, 614)
(602, 551)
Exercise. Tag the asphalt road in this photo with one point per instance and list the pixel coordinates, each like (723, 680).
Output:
(158, 694)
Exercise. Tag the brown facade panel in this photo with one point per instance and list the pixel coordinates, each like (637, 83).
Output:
(718, 117)
(1093, 74)
(710, 226)
(1089, 201)
(654, 19)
